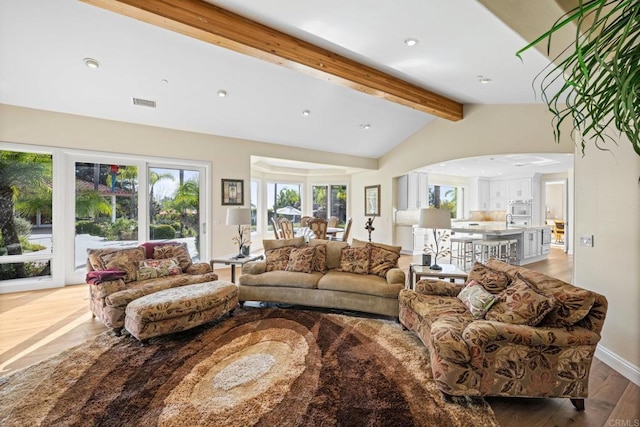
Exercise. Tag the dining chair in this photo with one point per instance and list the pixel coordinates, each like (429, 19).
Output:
(345, 233)
(558, 231)
(319, 228)
(276, 229)
(286, 227)
(304, 221)
(333, 222)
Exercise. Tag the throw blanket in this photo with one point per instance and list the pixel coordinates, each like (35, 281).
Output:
(98, 276)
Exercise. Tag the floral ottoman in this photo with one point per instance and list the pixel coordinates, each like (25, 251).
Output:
(178, 309)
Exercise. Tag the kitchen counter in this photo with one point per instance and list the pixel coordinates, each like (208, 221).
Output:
(494, 229)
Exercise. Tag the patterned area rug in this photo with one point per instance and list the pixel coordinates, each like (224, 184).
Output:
(265, 367)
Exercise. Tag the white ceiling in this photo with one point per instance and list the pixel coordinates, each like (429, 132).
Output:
(43, 43)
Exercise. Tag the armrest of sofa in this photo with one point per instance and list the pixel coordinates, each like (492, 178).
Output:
(483, 332)
(438, 287)
(396, 275)
(104, 289)
(199, 268)
(254, 267)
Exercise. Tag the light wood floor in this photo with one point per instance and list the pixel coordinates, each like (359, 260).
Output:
(38, 324)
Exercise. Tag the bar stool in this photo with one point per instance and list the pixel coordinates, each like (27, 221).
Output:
(463, 247)
(512, 257)
(485, 249)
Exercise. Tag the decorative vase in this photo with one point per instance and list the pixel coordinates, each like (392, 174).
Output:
(426, 259)
(245, 250)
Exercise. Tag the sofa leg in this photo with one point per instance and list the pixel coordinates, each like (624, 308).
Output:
(117, 332)
(578, 403)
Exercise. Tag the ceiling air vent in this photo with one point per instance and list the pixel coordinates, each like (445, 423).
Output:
(144, 102)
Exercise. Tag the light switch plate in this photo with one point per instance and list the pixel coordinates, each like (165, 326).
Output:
(586, 240)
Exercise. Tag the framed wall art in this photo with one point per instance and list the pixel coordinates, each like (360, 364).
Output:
(232, 192)
(372, 200)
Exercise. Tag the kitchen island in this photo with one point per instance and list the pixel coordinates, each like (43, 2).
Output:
(533, 241)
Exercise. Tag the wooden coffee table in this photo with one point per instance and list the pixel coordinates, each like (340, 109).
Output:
(449, 271)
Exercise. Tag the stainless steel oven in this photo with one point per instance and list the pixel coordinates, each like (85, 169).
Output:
(519, 208)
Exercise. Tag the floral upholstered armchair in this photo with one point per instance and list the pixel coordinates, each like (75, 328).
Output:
(118, 276)
(508, 331)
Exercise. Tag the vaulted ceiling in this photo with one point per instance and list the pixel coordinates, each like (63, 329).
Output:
(291, 57)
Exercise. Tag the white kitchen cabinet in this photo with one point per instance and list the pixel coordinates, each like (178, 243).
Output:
(413, 191)
(499, 189)
(479, 194)
(410, 238)
(498, 204)
(520, 189)
(531, 244)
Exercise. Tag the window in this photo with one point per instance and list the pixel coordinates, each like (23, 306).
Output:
(26, 212)
(445, 197)
(330, 200)
(255, 185)
(174, 206)
(283, 200)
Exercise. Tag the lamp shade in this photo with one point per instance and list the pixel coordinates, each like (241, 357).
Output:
(435, 218)
(239, 216)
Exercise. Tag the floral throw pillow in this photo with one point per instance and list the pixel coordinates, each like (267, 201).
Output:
(493, 281)
(154, 268)
(301, 259)
(320, 259)
(355, 260)
(124, 260)
(277, 259)
(177, 250)
(381, 260)
(476, 299)
(522, 303)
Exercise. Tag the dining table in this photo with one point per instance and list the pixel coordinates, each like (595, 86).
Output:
(306, 231)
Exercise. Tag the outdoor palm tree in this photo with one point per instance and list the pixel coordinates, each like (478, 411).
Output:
(18, 171)
(90, 204)
(154, 178)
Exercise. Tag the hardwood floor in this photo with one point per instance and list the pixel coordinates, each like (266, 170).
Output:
(37, 324)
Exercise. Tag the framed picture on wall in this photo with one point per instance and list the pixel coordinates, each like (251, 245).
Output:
(232, 192)
(372, 200)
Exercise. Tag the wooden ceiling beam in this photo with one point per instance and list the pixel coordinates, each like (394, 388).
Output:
(212, 24)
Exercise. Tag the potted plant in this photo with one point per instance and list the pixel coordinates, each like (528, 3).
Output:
(600, 70)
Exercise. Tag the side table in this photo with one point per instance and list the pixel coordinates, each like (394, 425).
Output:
(233, 261)
(449, 271)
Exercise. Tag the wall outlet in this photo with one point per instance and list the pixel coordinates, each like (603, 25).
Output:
(586, 240)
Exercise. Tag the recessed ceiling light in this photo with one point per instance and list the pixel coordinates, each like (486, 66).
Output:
(365, 126)
(484, 80)
(222, 93)
(91, 63)
(164, 81)
(411, 41)
(306, 113)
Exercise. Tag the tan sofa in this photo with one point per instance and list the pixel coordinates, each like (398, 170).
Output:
(374, 292)
(115, 279)
(534, 343)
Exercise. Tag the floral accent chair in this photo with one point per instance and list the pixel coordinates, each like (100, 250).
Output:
(119, 276)
(508, 331)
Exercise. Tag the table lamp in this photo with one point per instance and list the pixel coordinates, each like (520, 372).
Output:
(239, 217)
(436, 219)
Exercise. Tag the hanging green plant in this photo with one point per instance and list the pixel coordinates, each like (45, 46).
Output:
(601, 72)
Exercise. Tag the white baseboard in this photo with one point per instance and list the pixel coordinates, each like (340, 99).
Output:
(623, 367)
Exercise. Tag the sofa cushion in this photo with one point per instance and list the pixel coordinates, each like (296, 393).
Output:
(320, 259)
(334, 251)
(301, 259)
(355, 243)
(355, 260)
(268, 244)
(433, 307)
(476, 299)
(446, 338)
(522, 303)
(381, 260)
(153, 268)
(146, 287)
(572, 305)
(123, 259)
(494, 281)
(279, 278)
(174, 250)
(367, 284)
(277, 259)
